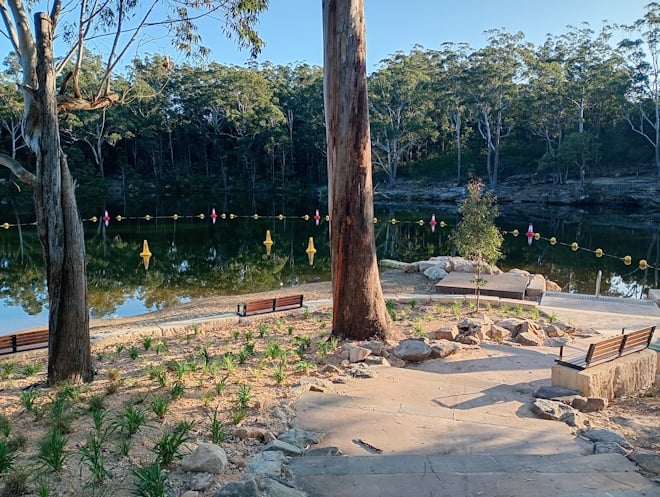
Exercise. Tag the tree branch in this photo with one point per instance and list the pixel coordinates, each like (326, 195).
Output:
(11, 30)
(15, 167)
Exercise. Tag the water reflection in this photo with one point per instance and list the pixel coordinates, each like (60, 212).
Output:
(194, 257)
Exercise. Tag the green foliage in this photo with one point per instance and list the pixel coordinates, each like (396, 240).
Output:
(159, 406)
(219, 432)
(158, 373)
(7, 456)
(31, 369)
(146, 343)
(133, 352)
(168, 447)
(51, 450)
(150, 481)
(7, 369)
(27, 399)
(177, 390)
(244, 395)
(5, 425)
(15, 484)
(130, 420)
(92, 455)
(273, 350)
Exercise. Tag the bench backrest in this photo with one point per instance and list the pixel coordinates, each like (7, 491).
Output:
(23, 341)
(270, 305)
(618, 346)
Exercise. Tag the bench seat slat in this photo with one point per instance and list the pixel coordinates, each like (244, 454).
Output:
(264, 306)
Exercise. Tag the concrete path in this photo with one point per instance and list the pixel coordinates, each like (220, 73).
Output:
(462, 426)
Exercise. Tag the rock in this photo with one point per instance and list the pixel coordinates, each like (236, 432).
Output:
(361, 370)
(393, 264)
(529, 339)
(555, 393)
(648, 461)
(190, 493)
(591, 404)
(602, 435)
(443, 348)
(549, 409)
(201, 481)
(357, 354)
(446, 333)
(461, 265)
(413, 267)
(556, 342)
(285, 448)
(330, 369)
(268, 463)
(324, 451)
(536, 286)
(412, 350)
(527, 327)
(516, 270)
(313, 384)
(395, 362)
(432, 264)
(376, 347)
(499, 334)
(479, 325)
(273, 488)
(443, 261)
(206, 458)
(609, 448)
(246, 432)
(246, 488)
(468, 339)
(510, 323)
(553, 331)
(551, 286)
(300, 438)
(377, 360)
(435, 273)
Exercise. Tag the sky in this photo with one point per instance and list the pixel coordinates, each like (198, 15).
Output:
(292, 29)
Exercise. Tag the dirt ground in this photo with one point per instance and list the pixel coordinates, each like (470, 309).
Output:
(235, 376)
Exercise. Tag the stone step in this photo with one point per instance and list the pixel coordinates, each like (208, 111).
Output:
(470, 475)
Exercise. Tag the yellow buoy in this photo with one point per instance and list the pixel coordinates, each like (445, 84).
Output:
(310, 250)
(442, 224)
(627, 260)
(537, 236)
(119, 218)
(516, 232)
(268, 242)
(145, 254)
(553, 241)
(5, 226)
(643, 264)
(599, 252)
(93, 219)
(574, 246)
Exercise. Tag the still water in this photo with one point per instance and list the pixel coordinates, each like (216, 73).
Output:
(195, 257)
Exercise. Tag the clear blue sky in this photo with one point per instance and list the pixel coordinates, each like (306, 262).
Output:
(292, 29)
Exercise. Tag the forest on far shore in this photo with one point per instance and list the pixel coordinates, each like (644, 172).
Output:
(581, 105)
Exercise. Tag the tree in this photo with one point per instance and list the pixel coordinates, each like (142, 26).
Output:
(476, 236)
(58, 222)
(644, 61)
(359, 310)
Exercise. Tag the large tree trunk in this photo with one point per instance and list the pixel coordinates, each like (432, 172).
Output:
(60, 228)
(359, 310)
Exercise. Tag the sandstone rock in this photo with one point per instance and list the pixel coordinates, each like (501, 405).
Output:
(536, 286)
(246, 432)
(376, 347)
(551, 286)
(426, 265)
(498, 333)
(284, 447)
(377, 360)
(357, 354)
(190, 493)
(609, 448)
(591, 404)
(330, 369)
(435, 273)
(549, 409)
(443, 348)
(273, 488)
(510, 323)
(324, 451)
(393, 264)
(300, 438)
(312, 384)
(468, 339)
(556, 342)
(516, 270)
(528, 339)
(596, 435)
(446, 333)
(444, 261)
(553, 331)
(556, 393)
(413, 267)
(201, 481)
(527, 327)
(461, 265)
(395, 362)
(361, 370)
(245, 488)
(268, 463)
(206, 458)
(412, 350)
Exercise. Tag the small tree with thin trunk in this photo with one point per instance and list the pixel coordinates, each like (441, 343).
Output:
(476, 236)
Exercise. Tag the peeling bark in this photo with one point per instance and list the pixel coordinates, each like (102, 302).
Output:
(66, 103)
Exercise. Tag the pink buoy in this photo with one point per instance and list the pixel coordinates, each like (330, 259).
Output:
(433, 222)
(317, 217)
(214, 215)
(530, 234)
(106, 218)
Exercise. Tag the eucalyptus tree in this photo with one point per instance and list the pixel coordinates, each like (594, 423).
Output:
(358, 304)
(644, 66)
(11, 106)
(494, 74)
(450, 67)
(58, 222)
(399, 92)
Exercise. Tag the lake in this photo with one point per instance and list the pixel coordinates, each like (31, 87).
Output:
(195, 257)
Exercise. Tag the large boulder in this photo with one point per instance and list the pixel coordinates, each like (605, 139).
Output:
(206, 458)
(435, 273)
(412, 350)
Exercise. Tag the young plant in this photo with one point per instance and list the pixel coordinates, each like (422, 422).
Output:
(221, 386)
(304, 366)
(92, 456)
(16, 483)
(160, 347)
(177, 391)
(228, 363)
(244, 395)
(31, 369)
(130, 421)
(51, 450)
(158, 373)
(238, 414)
(457, 308)
(5, 425)
(273, 350)
(262, 328)
(7, 456)
(168, 447)
(534, 313)
(146, 343)
(160, 406)
(61, 416)
(28, 398)
(280, 372)
(150, 481)
(7, 370)
(218, 429)
(133, 352)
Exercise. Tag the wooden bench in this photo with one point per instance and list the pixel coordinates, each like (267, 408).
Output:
(609, 349)
(10, 344)
(270, 305)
